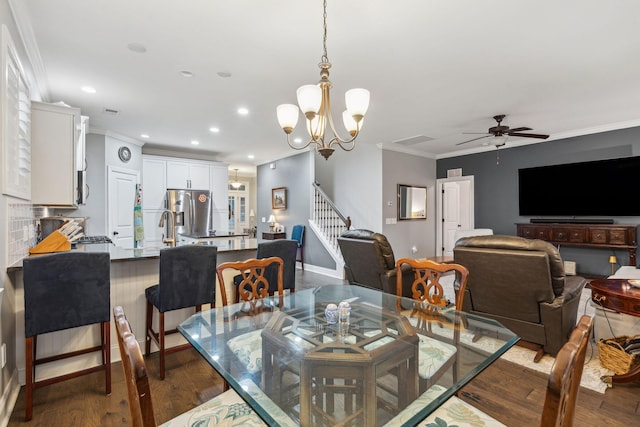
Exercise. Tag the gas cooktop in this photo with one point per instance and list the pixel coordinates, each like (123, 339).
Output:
(93, 239)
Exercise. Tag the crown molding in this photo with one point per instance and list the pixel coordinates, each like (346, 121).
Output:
(20, 13)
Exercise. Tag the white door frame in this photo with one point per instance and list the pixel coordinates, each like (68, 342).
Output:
(439, 207)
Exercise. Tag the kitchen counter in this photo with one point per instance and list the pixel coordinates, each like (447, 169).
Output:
(118, 254)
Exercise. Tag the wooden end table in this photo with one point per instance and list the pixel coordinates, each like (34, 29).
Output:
(618, 295)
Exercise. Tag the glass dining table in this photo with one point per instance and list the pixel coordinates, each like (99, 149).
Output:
(390, 362)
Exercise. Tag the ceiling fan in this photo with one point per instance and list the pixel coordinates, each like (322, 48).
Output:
(500, 133)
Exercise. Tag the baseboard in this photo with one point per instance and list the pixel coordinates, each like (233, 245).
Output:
(9, 398)
(338, 273)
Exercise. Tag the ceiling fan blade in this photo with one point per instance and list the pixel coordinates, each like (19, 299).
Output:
(529, 135)
(519, 129)
(474, 139)
(475, 133)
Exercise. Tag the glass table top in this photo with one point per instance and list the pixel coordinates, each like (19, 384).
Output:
(392, 362)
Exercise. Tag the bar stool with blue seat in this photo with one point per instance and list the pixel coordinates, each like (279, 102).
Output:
(297, 234)
(63, 291)
(187, 279)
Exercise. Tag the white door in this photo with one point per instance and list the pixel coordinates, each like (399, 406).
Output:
(455, 211)
(238, 209)
(121, 201)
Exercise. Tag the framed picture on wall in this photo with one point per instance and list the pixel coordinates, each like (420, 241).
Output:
(279, 198)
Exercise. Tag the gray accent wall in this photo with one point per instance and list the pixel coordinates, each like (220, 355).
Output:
(496, 185)
(296, 174)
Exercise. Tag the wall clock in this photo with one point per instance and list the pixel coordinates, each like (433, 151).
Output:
(124, 153)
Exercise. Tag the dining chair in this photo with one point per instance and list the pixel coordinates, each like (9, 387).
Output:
(225, 409)
(435, 356)
(560, 397)
(64, 291)
(297, 234)
(187, 279)
(252, 289)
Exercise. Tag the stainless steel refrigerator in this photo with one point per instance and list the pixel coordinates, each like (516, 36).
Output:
(192, 210)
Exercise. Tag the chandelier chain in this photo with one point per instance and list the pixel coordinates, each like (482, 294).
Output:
(324, 58)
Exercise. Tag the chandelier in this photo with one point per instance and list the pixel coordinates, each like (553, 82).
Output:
(236, 184)
(315, 103)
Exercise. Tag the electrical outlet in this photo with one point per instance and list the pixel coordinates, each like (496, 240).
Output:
(25, 233)
(264, 219)
(3, 354)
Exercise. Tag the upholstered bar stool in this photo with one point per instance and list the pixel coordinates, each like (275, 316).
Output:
(187, 279)
(285, 250)
(63, 291)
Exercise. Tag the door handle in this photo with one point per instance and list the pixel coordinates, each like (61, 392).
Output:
(115, 233)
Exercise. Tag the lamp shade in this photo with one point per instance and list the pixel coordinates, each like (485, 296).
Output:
(252, 213)
(315, 127)
(350, 124)
(357, 101)
(272, 218)
(309, 98)
(287, 116)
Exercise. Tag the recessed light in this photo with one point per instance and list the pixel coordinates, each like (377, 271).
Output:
(186, 73)
(194, 142)
(224, 74)
(251, 156)
(137, 47)
(214, 129)
(243, 111)
(88, 89)
(144, 135)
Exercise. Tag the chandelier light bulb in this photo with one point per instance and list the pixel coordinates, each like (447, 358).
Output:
(287, 116)
(350, 124)
(309, 100)
(357, 102)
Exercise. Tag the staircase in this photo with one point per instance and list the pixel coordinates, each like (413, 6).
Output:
(328, 223)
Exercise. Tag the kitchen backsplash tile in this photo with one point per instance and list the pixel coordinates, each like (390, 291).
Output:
(21, 230)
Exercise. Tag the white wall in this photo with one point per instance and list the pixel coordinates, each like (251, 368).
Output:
(400, 168)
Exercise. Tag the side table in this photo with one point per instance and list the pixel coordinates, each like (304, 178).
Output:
(618, 295)
(269, 235)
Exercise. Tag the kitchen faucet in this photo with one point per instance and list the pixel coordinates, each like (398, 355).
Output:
(172, 227)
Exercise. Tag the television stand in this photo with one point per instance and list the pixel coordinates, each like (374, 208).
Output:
(570, 221)
(602, 236)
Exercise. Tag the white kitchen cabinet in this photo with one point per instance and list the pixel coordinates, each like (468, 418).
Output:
(54, 132)
(186, 174)
(219, 186)
(154, 183)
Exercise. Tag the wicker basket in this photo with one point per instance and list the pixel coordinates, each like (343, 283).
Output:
(613, 357)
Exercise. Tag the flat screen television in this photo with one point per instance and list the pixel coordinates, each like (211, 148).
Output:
(598, 188)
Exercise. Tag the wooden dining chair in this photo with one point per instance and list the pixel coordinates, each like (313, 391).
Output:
(187, 279)
(253, 283)
(226, 409)
(251, 288)
(436, 354)
(560, 397)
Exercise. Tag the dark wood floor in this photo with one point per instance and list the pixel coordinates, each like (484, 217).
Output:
(511, 393)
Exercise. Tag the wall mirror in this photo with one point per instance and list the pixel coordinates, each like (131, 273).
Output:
(412, 202)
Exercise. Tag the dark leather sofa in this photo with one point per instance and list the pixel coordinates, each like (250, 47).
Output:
(369, 261)
(522, 284)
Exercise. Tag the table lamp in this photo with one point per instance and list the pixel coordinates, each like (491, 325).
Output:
(272, 222)
(613, 260)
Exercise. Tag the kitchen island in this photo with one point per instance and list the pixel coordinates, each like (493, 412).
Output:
(132, 271)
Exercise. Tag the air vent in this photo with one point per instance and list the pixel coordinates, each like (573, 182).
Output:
(413, 140)
(111, 111)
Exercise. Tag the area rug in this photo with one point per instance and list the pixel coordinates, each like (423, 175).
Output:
(592, 372)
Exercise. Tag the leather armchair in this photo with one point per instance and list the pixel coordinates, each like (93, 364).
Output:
(521, 283)
(369, 261)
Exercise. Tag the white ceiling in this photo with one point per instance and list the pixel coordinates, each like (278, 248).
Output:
(435, 69)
